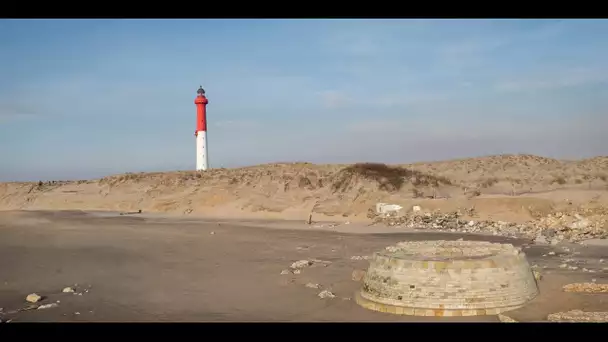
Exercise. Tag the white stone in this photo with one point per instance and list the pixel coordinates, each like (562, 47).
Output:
(68, 290)
(384, 208)
(300, 264)
(33, 298)
(313, 286)
(416, 208)
(47, 306)
(326, 294)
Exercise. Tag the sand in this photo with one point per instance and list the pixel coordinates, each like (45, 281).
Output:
(513, 188)
(134, 269)
(211, 246)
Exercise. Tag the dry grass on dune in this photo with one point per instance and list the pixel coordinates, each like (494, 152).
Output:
(330, 189)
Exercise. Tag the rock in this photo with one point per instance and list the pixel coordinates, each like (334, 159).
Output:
(578, 316)
(357, 275)
(537, 275)
(358, 257)
(551, 253)
(583, 223)
(301, 264)
(326, 294)
(313, 286)
(68, 290)
(506, 319)
(549, 233)
(563, 266)
(212, 233)
(384, 208)
(33, 298)
(554, 241)
(47, 306)
(586, 288)
(416, 208)
(471, 223)
(541, 240)
(296, 271)
(283, 272)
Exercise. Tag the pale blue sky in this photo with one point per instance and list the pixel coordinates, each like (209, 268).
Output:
(86, 98)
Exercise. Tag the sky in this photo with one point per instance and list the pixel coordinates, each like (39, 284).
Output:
(88, 98)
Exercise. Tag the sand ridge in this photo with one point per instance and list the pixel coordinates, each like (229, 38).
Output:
(502, 187)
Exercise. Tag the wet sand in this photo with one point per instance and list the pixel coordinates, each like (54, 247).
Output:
(154, 268)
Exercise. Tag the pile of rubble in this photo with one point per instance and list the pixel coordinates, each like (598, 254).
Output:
(575, 226)
(554, 228)
(586, 288)
(578, 316)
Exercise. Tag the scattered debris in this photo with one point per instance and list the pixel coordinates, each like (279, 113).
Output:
(301, 264)
(586, 288)
(359, 257)
(578, 316)
(296, 267)
(131, 212)
(326, 294)
(506, 319)
(313, 286)
(47, 306)
(33, 298)
(385, 208)
(552, 229)
(357, 275)
(68, 290)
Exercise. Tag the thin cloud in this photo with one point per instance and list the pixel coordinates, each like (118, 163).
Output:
(11, 114)
(335, 99)
(554, 80)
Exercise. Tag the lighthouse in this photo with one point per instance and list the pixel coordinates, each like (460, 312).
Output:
(202, 154)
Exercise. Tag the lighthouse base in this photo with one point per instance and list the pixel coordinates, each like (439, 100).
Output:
(202, 163)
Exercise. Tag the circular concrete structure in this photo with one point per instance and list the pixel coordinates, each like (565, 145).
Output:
(447, 278)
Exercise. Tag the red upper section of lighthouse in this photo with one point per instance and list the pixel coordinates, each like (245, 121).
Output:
(201, 110)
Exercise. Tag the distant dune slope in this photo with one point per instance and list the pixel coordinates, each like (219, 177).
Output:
(293, 190)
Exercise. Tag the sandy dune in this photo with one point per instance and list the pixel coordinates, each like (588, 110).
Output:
(505, 187)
